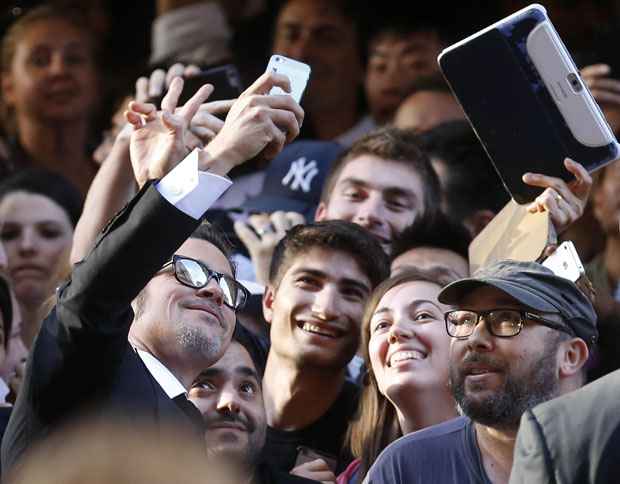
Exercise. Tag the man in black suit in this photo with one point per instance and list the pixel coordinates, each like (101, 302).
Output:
(184, 290)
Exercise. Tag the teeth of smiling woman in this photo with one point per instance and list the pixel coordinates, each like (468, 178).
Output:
(406, 355)
(312, 328)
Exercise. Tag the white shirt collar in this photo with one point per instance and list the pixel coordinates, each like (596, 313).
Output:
(169, 383)
(4, 391)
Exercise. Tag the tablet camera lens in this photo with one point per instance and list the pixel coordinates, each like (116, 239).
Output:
(575, 82)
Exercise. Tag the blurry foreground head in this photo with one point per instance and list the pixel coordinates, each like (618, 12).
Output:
(119, 453)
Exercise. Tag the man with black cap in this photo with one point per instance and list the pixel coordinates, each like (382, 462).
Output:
(520, 336)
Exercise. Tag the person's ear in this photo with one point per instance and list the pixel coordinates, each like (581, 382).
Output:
(573, 357)
(321, 212)
(268, 299)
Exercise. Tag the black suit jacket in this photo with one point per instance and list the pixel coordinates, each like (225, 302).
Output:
(81, 361)
(572, 439)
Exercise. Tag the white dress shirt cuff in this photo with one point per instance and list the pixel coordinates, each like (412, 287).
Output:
(190, 190)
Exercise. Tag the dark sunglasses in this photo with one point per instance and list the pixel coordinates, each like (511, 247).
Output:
(195, 274)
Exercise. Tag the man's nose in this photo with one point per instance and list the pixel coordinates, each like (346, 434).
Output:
(370, 213)
(228, 402)
(480, 339)
(325, 304)
(212, 291)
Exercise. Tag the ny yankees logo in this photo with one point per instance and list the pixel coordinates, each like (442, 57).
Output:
(300, 174)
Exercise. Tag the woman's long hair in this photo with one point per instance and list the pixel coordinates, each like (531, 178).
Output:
(376, 423)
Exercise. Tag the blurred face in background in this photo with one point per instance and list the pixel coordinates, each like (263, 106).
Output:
(606, 199)
(37, 235)
(396, 61)
(52, 76)
(316, 32)
(424, 110)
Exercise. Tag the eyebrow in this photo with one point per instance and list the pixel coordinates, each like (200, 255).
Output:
(414, 304)
(321, 275)
(390, 189)
(218, 372)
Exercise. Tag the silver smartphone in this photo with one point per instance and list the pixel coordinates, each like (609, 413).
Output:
(526, 101)
(297, 72)
(565, 262)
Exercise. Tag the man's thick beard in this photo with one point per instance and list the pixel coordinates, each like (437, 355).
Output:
(503, 410)
(198, 344)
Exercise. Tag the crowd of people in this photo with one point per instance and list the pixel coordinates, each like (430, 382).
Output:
(197, 289)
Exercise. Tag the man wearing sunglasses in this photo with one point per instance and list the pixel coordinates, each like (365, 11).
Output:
(96, 356)
(520, 336)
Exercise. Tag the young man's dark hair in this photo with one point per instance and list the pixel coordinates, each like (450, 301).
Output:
(392, 144)
(470, 182)
(334, 235)
(440, 232)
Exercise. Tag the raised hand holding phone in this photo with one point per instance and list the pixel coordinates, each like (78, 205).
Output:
(297, 72)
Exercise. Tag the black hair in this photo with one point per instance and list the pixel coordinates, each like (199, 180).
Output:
(48, 184)
(256, 347)
(440, 232)
(207, 232)
(471, 183)
(336, 235)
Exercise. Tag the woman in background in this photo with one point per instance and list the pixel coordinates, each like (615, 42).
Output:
(50, 93)
(38, 212)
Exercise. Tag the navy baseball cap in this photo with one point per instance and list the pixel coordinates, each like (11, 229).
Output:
(534, 286)
(294, 179)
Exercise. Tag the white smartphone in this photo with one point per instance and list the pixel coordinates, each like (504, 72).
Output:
(297, 72)
(565, 262)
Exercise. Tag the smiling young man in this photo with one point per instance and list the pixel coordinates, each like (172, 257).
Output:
(383, 183)
(520, 337)
(321, 275)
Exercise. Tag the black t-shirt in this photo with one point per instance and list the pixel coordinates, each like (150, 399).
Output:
(447, 452)
(326, 435)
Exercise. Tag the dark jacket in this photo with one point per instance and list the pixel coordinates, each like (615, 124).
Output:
(572, 439)
(81, 361)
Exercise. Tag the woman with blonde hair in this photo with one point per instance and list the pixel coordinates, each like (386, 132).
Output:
(405, 347)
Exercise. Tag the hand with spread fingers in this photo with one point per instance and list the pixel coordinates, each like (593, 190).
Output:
(261, 233)
(205, 124)
(565, 202)
(258, 124)
(158, 141)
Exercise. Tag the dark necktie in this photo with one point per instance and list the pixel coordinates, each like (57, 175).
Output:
(189, 409)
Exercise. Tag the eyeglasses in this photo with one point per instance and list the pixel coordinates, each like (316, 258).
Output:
(503, 323)
(195, 274)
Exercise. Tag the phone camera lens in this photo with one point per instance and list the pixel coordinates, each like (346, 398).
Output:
(575, 83)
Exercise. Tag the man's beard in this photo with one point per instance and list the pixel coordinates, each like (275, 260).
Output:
(247, 456)
(504, 407)
(196, 342)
